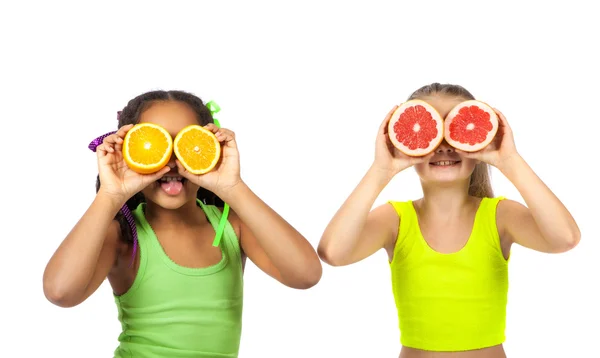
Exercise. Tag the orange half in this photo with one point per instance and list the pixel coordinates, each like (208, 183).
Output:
(147, 148)
(197, 149)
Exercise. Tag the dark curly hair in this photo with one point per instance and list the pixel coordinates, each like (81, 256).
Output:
(131, 115)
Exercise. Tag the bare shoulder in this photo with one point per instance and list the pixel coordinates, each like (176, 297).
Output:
(508, 214)
(507, 211)
(387, 219)
(386, 214)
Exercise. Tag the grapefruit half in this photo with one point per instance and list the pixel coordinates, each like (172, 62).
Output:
(416, 128)
(470, 126)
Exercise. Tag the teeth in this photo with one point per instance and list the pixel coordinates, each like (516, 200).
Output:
(444, 162)
(168, 179)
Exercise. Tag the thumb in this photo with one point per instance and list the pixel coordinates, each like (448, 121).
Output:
(423, 159)
(428, 156)
(159, 174)
(182, 171)
(469, 155)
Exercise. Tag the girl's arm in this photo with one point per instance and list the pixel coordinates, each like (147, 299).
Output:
(271, 243)
(266, 238)
(86, 255)
(545, 224)
(356, 232)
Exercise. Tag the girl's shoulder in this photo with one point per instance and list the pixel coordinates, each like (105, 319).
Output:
(400, 206)
(233, 218)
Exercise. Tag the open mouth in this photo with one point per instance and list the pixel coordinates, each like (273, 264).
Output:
(445, 163)
(172, 185)
(167, 179)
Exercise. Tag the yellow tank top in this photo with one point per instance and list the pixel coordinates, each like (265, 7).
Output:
(450, 302)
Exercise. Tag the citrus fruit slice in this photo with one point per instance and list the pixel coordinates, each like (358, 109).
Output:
(147, 148)
(470, 126)
(416, 128)
(197, 149)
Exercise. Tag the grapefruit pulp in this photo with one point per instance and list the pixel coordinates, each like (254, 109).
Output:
(416, 128)
(197, 149)
(147, 148)
(470, 126)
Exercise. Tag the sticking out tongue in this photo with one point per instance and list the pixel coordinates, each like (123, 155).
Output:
(172, 187)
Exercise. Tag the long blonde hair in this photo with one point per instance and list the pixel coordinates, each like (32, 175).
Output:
(480, 184)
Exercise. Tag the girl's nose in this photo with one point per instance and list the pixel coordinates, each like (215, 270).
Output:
(444, 147)
(171, 162)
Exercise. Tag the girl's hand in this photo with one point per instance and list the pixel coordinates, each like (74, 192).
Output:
(500, 149)
(226, 174)
(116, 179)
(388, 159)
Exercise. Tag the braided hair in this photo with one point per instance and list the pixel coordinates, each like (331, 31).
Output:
(131, 115)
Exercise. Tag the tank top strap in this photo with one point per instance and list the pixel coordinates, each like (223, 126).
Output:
(230, 241)
(485, 225)
(408, 231)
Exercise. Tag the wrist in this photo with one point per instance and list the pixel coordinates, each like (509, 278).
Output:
(112, 201)
(380, 176)
(511, 165)
(233, 192)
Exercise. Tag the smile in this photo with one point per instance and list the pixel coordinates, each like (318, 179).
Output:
(445, 163)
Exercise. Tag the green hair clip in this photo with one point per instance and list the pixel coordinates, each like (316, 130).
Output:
(214, 108)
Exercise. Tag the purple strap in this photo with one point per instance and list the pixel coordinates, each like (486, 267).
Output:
(124, 210)
(96, 142)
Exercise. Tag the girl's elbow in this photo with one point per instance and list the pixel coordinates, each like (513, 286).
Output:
(332, 255)
(328, 256)
(309, 280)
(568, 242)
(59, 295)
(572, 240)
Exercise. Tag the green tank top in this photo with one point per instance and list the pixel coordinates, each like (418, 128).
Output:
(450, 302)
(174, 311)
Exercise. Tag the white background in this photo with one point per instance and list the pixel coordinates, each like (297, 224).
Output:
(305, 87)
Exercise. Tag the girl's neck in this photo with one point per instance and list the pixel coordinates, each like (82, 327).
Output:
(187, 215)
(445, 198)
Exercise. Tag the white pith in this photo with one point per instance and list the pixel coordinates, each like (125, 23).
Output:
(466, 146)
(196, 148)
(148, 144)
(434, 114)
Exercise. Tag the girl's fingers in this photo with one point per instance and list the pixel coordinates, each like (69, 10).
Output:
(160, 173)
(101, 150)
(225, 135)
(222, 134)
(212, 127)
(469, 155)
(423, 159)
(502, 118)
(123, 130)
(113, 142)
(113, 139)
(181, 169)
(386, 120)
